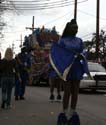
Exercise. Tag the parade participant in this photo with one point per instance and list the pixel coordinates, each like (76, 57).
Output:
(70, 65)
(54, 82)
(24, 66)
(8, 69)
(17, 82)
(53, 79)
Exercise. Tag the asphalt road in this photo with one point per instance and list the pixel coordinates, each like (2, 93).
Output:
(38, 110)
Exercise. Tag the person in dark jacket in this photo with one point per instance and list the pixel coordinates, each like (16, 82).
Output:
(8, 70)
(17, 82)
(24, 64)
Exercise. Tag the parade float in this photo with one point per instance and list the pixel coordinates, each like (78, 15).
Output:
(40, 41)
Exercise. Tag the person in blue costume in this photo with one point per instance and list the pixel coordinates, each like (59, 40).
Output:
(17, 81)
(54, 82)
(24, 64)
(68, 60)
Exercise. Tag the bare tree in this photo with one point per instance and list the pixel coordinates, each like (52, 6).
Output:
(5, 5)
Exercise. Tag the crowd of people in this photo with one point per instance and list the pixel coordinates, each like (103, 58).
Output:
(14, 72)
(66, 66)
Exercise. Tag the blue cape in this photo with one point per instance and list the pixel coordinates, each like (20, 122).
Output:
(62, 60)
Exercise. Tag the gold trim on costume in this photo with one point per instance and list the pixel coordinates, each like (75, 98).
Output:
(66, 71)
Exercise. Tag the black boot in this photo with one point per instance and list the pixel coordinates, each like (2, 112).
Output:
(51, 97)
(16, 98)
(3, 105)
(22, 98)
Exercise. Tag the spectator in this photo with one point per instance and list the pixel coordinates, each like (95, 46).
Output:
(8, 69)
(17, 82)
(24, 66)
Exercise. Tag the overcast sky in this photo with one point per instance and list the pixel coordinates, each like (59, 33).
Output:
(86, 18)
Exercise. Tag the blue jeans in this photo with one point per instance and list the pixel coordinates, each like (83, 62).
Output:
(6, 86)
(24, 78)
(17, 87)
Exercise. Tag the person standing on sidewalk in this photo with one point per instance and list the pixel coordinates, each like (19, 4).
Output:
(69, 63)
(8, 69)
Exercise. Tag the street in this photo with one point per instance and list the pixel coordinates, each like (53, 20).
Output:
(38, 110)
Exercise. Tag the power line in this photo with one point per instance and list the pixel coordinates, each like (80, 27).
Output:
(89, 14)
(42, 3)
(43, 6)
(87, 35)
(28, 1)
(58, 18)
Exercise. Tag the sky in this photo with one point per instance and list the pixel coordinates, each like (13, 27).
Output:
(86, 18)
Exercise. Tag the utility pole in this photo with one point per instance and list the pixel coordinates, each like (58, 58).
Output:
(32, 24)
(97, 29)
(31, 28)
(13, 47)
(75, 10)
(21, 41)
